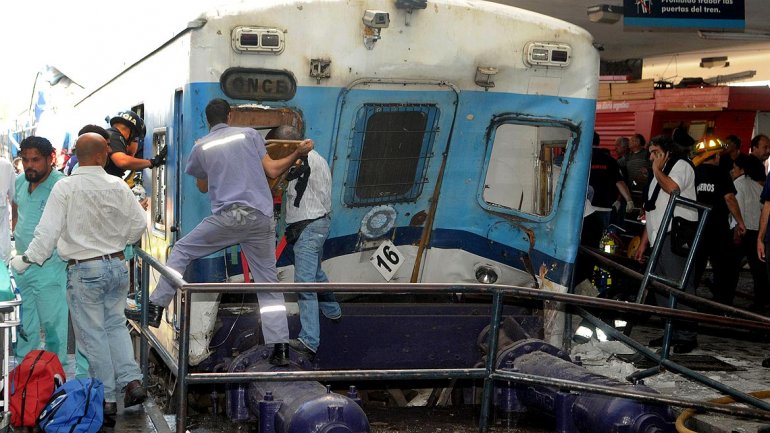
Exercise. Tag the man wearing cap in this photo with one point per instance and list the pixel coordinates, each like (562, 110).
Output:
(715, 188)
(124, 128)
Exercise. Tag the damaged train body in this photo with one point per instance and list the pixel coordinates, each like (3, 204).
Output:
(459, 138)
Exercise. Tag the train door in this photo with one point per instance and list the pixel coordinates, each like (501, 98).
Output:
(387, 162)
(177, 160)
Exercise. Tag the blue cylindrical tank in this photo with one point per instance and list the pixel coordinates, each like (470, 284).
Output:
(587, 412)
(305, 406)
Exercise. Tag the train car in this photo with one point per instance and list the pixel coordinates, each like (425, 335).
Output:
(459, 136)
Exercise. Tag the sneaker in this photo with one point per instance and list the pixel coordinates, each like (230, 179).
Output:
(298, 346)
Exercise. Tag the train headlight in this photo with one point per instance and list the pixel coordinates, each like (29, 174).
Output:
(486, 274)
(260, 40)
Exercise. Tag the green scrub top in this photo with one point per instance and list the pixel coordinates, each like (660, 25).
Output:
(32, 205)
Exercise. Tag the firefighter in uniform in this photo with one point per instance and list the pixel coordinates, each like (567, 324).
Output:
(715, 188)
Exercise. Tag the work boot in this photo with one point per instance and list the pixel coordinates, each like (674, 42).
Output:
(280, 355)
(154, 314)
(135, 394)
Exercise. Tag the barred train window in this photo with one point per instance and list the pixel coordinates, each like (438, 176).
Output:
(159, 186)
(389, 149)
(524, 167)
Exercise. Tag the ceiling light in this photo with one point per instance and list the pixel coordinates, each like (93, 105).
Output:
(734, 36)
(607, 14)
(714, 62)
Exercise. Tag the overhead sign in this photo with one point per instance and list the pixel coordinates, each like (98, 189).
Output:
(695, 14)
(258, 84)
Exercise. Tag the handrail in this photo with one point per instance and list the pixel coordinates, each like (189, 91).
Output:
(489, 373)
(692, 299)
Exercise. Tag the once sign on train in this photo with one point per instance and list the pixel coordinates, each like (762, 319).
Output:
(258, 84)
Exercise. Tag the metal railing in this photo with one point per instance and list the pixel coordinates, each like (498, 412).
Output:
(488, 374)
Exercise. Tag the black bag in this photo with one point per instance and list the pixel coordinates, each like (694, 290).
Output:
(682, 235)
(294, 230)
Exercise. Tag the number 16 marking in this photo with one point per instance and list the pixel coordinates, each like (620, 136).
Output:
(387, 259)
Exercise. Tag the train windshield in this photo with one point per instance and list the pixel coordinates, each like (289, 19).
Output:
(389, 151)
(524, 167)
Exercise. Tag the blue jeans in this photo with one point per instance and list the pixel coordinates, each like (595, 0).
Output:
(96, 294)
(308, 251)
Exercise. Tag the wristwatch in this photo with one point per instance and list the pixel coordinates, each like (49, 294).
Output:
(25, 259)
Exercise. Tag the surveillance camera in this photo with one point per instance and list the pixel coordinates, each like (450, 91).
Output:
(376, 19)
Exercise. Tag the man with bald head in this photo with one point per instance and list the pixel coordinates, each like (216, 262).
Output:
(90, 217)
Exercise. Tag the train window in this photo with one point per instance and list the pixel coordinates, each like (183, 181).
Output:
(158, 186)
(390, 146)
(524, 166)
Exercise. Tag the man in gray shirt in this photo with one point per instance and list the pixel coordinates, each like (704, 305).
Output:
(231, 164)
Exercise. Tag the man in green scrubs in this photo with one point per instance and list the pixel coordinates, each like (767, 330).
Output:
(43, 288)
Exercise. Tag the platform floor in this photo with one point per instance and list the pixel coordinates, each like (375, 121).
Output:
(741, 349)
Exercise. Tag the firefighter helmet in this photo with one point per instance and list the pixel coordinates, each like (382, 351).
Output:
(706, 148)
(132, 121)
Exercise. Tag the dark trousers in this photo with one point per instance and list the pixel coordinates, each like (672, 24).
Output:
(671, 265)
(748, 248)
(717, 247)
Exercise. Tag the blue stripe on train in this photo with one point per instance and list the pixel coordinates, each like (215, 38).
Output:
(449, 239)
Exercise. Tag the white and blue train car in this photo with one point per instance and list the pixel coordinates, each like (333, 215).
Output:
(458, 132)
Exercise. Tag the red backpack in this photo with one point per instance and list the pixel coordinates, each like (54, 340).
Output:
(32, 384)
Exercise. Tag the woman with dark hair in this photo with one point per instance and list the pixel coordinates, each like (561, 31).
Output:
(671, 171)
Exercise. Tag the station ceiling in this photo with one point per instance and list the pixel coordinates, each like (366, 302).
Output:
(619, 44)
